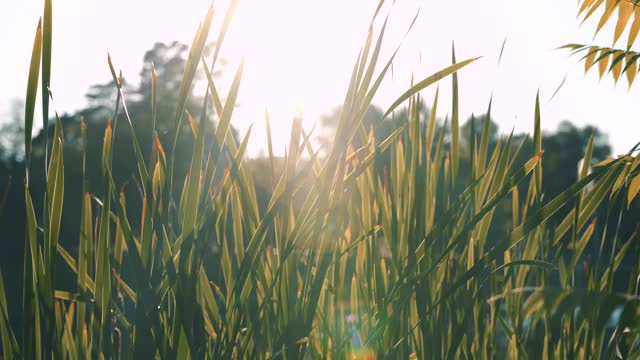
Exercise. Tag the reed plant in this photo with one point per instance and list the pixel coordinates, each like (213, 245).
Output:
(345, 261)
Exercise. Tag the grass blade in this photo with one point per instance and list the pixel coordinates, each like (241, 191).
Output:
(32, 91)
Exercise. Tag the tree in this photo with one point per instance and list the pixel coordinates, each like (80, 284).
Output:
(476, 125)
(372, 120)
(563, 151)
(329, 124)
(169, 61)
(11, 133)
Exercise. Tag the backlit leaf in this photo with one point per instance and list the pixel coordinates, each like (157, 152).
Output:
(634, 187)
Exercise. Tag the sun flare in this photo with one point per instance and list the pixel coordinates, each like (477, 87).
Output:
(295, 53)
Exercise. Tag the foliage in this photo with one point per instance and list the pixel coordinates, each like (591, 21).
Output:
(615, 61)
(342, 261)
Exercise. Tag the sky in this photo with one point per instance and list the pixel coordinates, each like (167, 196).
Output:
(299, 55)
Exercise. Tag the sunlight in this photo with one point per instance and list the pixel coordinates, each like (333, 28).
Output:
(295, 54)
(270, 45)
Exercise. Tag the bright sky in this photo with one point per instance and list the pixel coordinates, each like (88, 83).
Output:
(299, 55)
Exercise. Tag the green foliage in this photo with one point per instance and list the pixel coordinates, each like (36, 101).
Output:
(385, 246)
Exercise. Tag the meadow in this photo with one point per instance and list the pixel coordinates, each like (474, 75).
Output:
(375, 247)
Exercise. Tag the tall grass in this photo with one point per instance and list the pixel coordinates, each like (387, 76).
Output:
(345, 262)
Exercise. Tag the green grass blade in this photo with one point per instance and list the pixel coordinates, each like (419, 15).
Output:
(430, 80)
(193, 186)
(47, 32)
(455, 125)
(55, 196)
(32, 93)
(101, 310)
(142, 168)
(225, 118)
(228, 17)
(537, 145)
(32, 335)
(195, 53)
(215, 98)
(376, 85)
(154, 107)
(10, 347)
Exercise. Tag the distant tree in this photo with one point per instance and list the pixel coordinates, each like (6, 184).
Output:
(563, 151)
(382, 128)
(474, 126)
(169, 61)
(478, 125)
(329, 124)
(12, 132)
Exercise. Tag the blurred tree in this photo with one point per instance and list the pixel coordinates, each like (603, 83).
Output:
(12, 132)
(382, 129)
(478, 125)
(169, 61)
(329, 124)
(563, 151)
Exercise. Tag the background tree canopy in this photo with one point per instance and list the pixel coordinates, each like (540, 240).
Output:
(168, 61)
